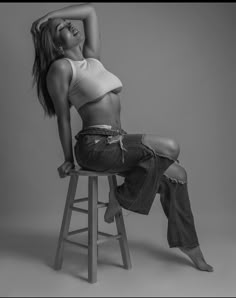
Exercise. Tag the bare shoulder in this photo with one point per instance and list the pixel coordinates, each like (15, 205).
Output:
(59, 69)
(58, 81)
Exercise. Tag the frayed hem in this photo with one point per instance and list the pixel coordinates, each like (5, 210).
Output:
(157, 153)
(174, 180)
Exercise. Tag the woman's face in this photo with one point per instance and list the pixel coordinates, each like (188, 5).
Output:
(64, 33)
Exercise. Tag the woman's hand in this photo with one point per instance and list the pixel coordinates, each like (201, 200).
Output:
(35, 28)
(65, 168)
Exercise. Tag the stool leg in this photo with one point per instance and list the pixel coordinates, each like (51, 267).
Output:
(121, 229)
(92, 228)
(65, 221)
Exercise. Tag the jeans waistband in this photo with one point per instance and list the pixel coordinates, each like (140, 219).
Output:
(100, 126)
(92, 130)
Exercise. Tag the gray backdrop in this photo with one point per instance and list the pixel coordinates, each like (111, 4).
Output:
(177, 64)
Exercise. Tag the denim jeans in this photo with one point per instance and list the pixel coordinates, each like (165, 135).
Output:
(143, 167)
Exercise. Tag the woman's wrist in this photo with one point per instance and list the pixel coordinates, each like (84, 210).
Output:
(51, 15)
(71, 160)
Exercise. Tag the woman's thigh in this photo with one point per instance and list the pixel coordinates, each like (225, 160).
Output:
(162, 145)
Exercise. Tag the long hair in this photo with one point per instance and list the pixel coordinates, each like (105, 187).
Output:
(45, 54)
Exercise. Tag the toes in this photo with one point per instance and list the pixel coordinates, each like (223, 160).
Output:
(198, 259)
(210, 268)
(108, 219)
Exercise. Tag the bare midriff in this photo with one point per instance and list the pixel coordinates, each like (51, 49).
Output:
(102, 111)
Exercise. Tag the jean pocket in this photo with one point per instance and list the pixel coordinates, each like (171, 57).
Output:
(88, 149)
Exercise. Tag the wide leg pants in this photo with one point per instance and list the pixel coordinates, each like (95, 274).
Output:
(143, 168)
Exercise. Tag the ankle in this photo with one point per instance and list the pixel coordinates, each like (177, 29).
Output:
(112, 197)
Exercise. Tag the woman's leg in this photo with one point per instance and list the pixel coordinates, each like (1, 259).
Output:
(176, 205)
(148, 162)
(113, 207)
(163, 146)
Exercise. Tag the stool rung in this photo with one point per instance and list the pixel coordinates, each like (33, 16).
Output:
(77, 231)
(102, 204)
(76, 243)
(79, 209)
(80, 200)
(109, 237)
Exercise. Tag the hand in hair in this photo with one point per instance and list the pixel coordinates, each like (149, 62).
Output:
(35, 28)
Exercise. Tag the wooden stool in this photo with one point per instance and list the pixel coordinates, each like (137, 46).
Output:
(93, 205)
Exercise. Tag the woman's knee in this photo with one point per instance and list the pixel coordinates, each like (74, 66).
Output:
(173, 147)
(162, 145)
(182, 174)
(176, 172)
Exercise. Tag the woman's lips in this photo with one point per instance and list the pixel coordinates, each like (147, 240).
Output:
(75, 32)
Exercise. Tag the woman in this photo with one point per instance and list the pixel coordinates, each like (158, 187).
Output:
(68, 74)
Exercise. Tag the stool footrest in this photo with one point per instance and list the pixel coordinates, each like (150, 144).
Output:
(102, 204)
(79, 209)
(108, 237)
(80, 200)
(77, 231)
(76, 243)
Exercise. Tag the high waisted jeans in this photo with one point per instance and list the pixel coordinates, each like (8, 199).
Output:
(142, 166)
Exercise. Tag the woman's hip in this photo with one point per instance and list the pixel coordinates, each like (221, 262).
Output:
(118, 152)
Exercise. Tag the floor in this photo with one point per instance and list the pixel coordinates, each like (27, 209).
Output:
(27, 255)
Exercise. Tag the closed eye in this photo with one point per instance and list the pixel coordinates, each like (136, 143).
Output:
(67, 25)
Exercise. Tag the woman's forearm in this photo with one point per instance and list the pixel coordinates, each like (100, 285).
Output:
(66, 140)
(73, 12)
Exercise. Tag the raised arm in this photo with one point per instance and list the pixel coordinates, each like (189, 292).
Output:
(57, 84)
(85, 13)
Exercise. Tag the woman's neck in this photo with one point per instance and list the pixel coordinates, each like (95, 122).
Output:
(74, 54)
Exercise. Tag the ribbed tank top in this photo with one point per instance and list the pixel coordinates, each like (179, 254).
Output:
(90, 81)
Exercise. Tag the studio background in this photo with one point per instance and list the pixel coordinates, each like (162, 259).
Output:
(177, 65)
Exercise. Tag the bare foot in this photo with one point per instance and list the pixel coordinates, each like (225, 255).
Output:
(112, 209)
(197, 258)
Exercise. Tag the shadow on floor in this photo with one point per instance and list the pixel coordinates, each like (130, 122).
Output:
(41, 247)
(166, 255)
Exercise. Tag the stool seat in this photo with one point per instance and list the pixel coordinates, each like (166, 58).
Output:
(82, 172)
(93, 205)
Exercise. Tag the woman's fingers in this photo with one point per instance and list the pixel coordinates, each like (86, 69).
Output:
(60, 172)
(34, 28)
(68, 168)
(65, 169)
(38, 27)
(40, 22)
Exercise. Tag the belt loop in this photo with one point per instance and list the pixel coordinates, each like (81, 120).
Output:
(122, 148)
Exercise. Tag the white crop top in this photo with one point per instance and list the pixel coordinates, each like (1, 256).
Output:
(90, 81)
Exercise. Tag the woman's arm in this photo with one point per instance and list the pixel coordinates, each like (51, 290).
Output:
(57, 84)
(85, 13)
